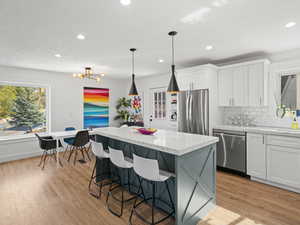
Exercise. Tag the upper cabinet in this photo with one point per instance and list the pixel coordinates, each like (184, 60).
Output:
(243, 84)
(225, 80)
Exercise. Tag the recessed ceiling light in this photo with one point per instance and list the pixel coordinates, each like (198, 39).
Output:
(125, 2)
(161, 60)
(290, 24)
(57, 55)
(80, 37)
(209, 47)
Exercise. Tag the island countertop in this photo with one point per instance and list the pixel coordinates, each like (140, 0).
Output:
(176, 143)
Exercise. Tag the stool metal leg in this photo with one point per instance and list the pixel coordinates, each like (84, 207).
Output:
(93, 179)
(169, 193)
(153, 201)
(153, 198)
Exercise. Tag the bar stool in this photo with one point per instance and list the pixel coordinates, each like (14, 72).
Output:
(100, 154)
(118, 160)
(148, 170)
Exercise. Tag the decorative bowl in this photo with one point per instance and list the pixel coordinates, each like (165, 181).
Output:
(147, 131)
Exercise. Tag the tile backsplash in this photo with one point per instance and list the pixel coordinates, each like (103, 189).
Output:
(253, 116)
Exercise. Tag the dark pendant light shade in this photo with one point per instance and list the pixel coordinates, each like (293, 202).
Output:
(173, 86)
(133, 91)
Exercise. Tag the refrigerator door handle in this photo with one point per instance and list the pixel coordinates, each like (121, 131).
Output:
(190, 114)
(187, 111)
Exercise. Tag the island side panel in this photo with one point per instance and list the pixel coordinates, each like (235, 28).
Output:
(195, 185)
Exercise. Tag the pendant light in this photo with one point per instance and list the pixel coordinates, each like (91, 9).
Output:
(173, 86)
(133, 91)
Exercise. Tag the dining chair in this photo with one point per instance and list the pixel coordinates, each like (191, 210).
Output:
(68, 141)
(81, 140)
(48, 145)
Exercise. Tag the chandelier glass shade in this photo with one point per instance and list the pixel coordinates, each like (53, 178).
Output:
(88, 74)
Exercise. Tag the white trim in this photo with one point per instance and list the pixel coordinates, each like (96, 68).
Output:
(47, 106)
(276, 184)
(265, 61)
(13, 157)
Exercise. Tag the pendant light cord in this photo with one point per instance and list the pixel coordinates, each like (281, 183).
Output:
(132, 62)
(172, 50)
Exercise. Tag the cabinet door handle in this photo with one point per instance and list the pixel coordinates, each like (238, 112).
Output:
(263, 140)
(260, 100)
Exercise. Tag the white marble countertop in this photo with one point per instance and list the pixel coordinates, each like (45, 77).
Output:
(263, 130)
(176, 143)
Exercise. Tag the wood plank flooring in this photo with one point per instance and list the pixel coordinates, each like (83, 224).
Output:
(59, 196)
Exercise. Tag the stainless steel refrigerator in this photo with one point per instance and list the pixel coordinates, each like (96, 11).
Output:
(193, 111)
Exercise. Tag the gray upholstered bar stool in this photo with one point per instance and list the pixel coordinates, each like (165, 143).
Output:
(100, 154)
(118, 160)
(148, 171)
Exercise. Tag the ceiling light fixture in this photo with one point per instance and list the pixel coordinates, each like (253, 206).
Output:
(88, 74)
(80, 37)
(209, 47)
(125, 2)
(161, 60)
(290, 24)
(57, 55)
(133, 91)
(173, 86)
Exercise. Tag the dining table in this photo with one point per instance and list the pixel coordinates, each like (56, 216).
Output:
(59, 136)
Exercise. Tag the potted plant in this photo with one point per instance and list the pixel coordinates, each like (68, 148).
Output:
(123, 109)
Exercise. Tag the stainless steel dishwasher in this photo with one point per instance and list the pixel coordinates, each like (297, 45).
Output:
(231, 150)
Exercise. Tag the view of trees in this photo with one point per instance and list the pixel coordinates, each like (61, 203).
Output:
(22, 109)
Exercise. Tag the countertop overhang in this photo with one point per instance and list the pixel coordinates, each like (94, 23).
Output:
(172, 142)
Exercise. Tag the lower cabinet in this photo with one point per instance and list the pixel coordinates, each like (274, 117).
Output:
(256, 156)
(283, 165)
(274, 159)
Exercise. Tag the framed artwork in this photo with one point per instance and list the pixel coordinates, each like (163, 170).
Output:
(136, 108)
(96, 107)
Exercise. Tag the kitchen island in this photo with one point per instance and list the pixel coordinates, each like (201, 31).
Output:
(190, 158)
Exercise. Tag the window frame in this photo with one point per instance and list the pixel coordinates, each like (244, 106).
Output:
(47, 107)
(161, 106)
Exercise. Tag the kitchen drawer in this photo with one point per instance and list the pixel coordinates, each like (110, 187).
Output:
(290, 142)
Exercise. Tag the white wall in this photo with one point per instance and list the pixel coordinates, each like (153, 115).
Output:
(144, 86)
(66, 104)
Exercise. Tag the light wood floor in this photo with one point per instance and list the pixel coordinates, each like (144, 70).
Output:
(59, 196)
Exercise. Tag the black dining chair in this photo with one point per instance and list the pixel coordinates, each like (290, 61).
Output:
(81, 140)
(48, 145)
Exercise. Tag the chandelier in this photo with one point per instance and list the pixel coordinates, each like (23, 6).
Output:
(88, 74)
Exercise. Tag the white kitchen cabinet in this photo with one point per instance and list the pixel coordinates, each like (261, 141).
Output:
(283, 165)
(256, 155)
(225, 87)
(240, 86)
(243, 84)
(258, 79)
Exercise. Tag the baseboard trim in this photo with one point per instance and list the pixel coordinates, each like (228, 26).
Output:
(13, 157)
(282, 186)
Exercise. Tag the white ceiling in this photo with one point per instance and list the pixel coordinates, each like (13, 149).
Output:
(33, 31)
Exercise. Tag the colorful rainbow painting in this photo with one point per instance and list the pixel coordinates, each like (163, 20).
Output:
(95, 110)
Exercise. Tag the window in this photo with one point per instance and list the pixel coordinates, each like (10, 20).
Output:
(22, 109)
(159, 101)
